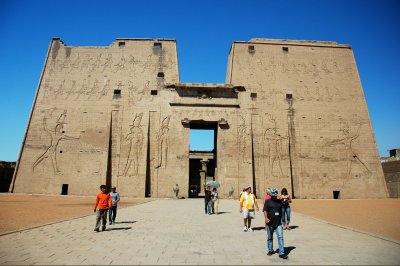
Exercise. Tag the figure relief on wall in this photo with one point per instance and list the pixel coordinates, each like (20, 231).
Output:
(120, 65)
(135, 139)
(57, 135)
(162, 143)
(346, 142)
(131, 64)
(87, 62)
(75, 64)
(273, 148)
(107, 63)
(105, 89)
(96, 64)
(244, 141)
(60, 89)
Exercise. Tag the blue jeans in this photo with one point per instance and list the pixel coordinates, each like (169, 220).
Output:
(112, 213)
(279, 234)
(208, 207)
(285, 215)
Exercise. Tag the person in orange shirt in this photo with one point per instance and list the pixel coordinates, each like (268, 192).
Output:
(103, 203)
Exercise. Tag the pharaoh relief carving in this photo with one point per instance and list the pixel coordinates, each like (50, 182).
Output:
(273, 148)
(345, 144)
(162, 143)
(56, 136)
(135, 139)
(244, 141)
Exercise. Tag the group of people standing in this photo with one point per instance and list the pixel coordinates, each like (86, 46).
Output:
(276, 215)
(211, 201)
(106, 203)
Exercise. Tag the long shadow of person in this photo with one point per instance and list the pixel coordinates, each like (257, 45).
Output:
(119, 228)
(287, 250)
(258, 228)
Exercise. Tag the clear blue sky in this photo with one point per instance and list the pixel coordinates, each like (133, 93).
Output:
(204, 31)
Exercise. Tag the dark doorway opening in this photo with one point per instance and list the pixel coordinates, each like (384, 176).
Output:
(64, 189)
(336, 194)
(202, 156)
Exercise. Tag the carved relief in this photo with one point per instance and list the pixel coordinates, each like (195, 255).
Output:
(244, 142)
(345, 142)
(120, 65)
(135, 139)
(107, 63)
(162, 143)
(106, 89)
(96, 63)
(273, 149)
(56, 137)
(131, 64)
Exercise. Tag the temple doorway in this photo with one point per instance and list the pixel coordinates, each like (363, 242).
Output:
(202, 156)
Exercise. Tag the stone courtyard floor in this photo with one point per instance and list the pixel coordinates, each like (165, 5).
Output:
(168, 231)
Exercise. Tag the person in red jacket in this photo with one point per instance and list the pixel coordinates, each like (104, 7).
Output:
(103, 203)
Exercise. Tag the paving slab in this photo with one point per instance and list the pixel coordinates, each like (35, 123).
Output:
(177, 232)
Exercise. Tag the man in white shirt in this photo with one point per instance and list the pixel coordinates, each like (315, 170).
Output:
(112, 212)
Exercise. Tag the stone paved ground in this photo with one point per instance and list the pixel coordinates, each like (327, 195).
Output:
(178, 232)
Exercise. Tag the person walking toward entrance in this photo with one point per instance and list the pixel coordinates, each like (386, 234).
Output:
(247, 202)
(115, 198)
(273, 214)
(103, 203)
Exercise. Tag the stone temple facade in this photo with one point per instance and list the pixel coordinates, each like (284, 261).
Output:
(290, 114)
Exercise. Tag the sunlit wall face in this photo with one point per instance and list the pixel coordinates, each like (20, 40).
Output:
(201, 140)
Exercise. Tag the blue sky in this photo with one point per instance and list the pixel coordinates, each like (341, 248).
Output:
(204, 31)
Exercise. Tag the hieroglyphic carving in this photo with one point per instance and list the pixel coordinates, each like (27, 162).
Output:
(162, 143)
(56, 136)
(135, 139)
(244, 142)
(273, 151)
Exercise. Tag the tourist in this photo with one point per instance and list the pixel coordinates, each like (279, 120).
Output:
(267, 195)
(285, 198)
(103, 203)
(115, 198)
(207, 200)
(247, 202)
(215, 201)
(273, 214)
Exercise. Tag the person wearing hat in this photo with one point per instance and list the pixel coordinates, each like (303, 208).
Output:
(273, 214)
(112, 212)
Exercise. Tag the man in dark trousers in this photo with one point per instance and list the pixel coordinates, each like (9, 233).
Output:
(273, 215)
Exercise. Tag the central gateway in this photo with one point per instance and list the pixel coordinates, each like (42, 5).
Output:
(290, 114)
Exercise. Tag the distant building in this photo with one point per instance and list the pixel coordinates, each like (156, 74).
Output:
(6, 175)
(391, 170)
(290, 114)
